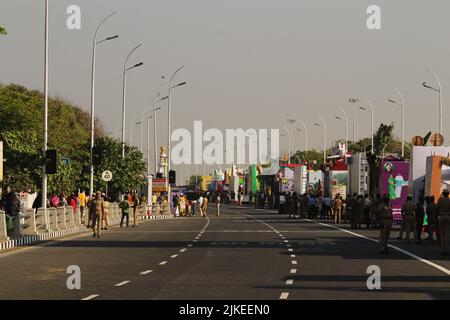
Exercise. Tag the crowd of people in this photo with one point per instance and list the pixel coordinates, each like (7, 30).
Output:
(375, 212)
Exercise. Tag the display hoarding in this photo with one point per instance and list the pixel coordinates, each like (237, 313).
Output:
(394, 183)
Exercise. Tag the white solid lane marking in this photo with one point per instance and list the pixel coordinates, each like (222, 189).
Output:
(92, 296)
(174, 256)
(412, 255)
(143, 273)
(293, 271)
(162, 263)
(121, 283)
(183, 250)
(289, 282)
(284, 296)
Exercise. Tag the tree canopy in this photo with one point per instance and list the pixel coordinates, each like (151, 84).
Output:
(21, 130)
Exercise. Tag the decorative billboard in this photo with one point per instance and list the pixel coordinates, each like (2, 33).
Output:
(394, 182)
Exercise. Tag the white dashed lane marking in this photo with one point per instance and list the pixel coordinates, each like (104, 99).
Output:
(143, 273)
(294, 262)
(92, 296)
(293, 271)
(120, 284)
(183, 250)
(174, 256)
(162, 263)
(289, 282)
(284, 296)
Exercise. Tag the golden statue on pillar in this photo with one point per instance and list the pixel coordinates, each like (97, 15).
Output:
(163, 162)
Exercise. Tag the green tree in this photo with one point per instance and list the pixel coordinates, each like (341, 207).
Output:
(129, 173)
(21, 127)
(2, 31)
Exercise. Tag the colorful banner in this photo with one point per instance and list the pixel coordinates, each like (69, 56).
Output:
(394, 182)
(159, 185)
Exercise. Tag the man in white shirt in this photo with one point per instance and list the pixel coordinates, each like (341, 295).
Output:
(200, 202)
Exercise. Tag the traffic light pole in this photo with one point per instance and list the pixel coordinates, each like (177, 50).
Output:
(44, 149)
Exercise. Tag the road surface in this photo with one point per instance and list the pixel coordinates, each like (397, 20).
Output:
(243, 254)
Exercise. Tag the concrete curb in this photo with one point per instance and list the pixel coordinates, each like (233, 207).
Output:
(35, 239)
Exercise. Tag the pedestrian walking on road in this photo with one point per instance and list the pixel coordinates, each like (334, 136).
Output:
(98, 209)
(409, 221)
(218, 204)
(125, 206)
(106, 206)
(204, 206)
(135, 210)
(433, 219)
(200, 204)
(337, 208)
(293, 205)
(326, 207)
(367, 205)
(420, 216)
(82, 199)
(444, 221)
(386, 218)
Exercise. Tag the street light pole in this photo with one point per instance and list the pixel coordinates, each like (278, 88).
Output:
(155, 139)
(292, 121)
(402, 105)
(306, 137)
(346, 127)
(94, 47)
(371, 121)
(44, 149)
(124, 83)
(354, 101)
(289, 148)
(169, 130)
(324, 125)
(440, 96)
(324, 139)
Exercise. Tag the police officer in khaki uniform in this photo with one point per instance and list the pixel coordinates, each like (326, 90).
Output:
(409, 219)
(386, 217)
(98, 210)
(433, 219)
(444, 221)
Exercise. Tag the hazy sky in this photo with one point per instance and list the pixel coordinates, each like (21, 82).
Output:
(249, 63)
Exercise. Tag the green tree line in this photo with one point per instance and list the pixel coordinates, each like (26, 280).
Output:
(21, 130)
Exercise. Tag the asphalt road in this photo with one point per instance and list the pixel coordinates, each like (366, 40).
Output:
(243, 254)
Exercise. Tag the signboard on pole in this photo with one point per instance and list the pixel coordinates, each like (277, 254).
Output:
(159, 185)
(394, 182)
(107, 176)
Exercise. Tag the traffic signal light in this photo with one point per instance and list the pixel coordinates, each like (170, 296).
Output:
(159, 175)
(96, 159)
(51, 162)
(172, 177)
